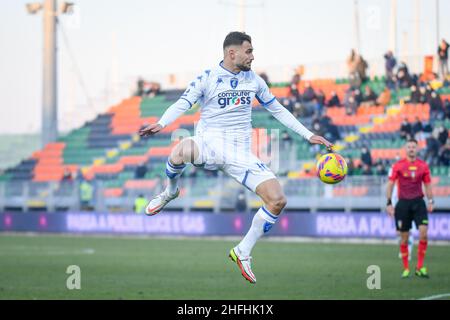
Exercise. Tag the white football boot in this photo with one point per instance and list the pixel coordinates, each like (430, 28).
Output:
(159, 202)
(244, 264)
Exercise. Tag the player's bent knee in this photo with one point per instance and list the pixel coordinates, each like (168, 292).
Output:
(185, 152)
(278, 203)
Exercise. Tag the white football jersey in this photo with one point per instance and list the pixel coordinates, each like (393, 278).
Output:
(225, 98)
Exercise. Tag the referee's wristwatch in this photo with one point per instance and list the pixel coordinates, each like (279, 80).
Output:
(430, 201)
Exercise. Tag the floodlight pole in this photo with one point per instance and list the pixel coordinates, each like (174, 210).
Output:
(393, 38)
(50, 79)
(356, 26)
(437, 22)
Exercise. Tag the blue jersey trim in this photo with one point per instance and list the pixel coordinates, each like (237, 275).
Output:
(190, 104)
(268, 213)
(245, 179)
(264, 104)
(268, 103)
(221, 65)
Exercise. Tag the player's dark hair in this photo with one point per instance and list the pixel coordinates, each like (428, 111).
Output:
(412, 140)
(236, 38)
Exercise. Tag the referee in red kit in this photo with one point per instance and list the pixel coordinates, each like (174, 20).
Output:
(410, 174)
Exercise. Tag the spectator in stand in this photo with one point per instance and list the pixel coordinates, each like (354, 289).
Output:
(415, 95)
(140, 87)
(293, 90)
(352, 65)
(361, 68)
(366, 170)
(443, 59)
(423, 94)
(298, 110)
(370, 97)
(447, 108)
(154, 89)
(436, 106)
(308, 94)
(350, 166)
(366, 157)
(351, 106)
(444, 155)
(442, 135)
(320, 100)
(296, 78)
(358, 96)
(405, 129)
(429, 90)
(380, 169)
(331, 131)
(404, 79)
(318, 127)
(384, 98)
(432, 150)
(390, 63)
(416, 128)
(309, 99)
(427, 129)
(288, 103)
(141, 171)
(66, 182)
(67, 175)
(334, 100)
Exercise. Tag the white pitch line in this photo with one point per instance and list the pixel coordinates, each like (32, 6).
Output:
(438, 296)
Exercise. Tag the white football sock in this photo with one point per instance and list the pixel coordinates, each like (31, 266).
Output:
(173, 172)
(261, 223)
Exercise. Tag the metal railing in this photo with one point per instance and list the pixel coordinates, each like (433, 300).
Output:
(216, 194)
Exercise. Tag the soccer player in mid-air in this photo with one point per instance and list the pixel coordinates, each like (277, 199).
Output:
(223, 138)
(411, 173)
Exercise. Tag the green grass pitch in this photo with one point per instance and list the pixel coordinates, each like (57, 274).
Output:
(34, 267)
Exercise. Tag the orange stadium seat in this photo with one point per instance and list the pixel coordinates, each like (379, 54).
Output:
(113, 192)
(133, 160)
(159, 151)
(280, 92)
(141, 184)
(107, 168)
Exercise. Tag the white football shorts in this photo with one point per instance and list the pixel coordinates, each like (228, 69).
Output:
(233, 156)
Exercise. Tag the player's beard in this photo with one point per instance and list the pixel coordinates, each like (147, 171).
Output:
(243, 67)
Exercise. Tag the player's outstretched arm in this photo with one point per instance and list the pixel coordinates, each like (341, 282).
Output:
(186, 101)
(321, 140)
(171, 114)
(150, 130)
(286, 118)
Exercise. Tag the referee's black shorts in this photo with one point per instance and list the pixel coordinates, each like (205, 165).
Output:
(409, 210)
